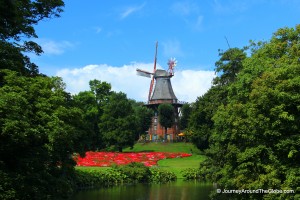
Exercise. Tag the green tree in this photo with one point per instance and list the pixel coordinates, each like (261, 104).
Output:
(101, 90)
(17, 21)
(185, 115)
(117, 124)
(39, 132)
(166, 116)
(86, 101)
(143, 117)
(255, 142)
(229, 65)
(200, 123)
(92, 102)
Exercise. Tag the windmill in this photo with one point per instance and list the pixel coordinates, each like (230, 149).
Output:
(160, 92)
(159, 73)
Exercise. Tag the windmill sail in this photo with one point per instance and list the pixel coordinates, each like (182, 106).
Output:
(143, 73)
(154, 70)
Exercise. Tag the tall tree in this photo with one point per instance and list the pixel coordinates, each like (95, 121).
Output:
(185, 116)
(39, 132)
(255, 142)
(17, 21)
(117, 124)
(92, 102)
(227, 67)
(143, 117)
(166, 116)
(229, 64)
(201, 125)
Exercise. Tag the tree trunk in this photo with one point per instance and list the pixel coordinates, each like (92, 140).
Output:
(166, 130)
(120, 149)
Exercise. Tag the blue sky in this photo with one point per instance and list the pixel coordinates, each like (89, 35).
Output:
(108, 40)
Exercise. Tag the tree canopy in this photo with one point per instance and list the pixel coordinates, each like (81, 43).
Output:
(185, 115)
(17, 21)
(166, 116)
(254, 135)
(117, 124)
(39, 131)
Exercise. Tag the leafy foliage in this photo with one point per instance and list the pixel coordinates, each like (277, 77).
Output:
(17, 18)
(229, 65)
(143, 117)
(91, 178)
(192, 174)
(254, 139)
(91, 103)
(39, 131)
(17, 21)
(166, 116)
(200, 125)
(135, 172)
(161, 176)
(117, 124)
(131, 173)
(185, 115)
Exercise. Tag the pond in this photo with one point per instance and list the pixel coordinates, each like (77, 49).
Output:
(183, 190)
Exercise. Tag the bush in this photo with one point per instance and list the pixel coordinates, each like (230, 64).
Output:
(134, 172)
(131, 173)
(192, 174)
(95, 178)
(161, 176)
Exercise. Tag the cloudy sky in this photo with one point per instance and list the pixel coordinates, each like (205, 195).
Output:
(108, 40)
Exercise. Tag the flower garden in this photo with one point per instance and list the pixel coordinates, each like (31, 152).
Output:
(106, 159)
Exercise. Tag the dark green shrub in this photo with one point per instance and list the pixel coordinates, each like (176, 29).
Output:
(161, 176)
(131, 173)
(192, 174)
(95, 178)
(134, 172)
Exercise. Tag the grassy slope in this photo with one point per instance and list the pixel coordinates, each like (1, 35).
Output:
(175, 165)
(163, 147)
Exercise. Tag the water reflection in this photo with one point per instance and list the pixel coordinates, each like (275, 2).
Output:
(180, 190)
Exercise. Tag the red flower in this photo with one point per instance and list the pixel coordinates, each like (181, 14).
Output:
(104, 159)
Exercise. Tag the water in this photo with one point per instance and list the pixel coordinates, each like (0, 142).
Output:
(180, 190)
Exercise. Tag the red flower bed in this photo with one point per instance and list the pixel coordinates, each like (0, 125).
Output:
(104, 159)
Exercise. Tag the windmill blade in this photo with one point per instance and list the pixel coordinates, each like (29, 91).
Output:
(143, 73)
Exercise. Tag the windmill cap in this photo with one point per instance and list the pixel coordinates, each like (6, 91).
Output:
(161, 72)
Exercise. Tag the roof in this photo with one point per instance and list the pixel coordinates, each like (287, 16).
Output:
(163, 88)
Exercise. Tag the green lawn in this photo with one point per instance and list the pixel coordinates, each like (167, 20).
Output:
(180, 147)
(175, 165)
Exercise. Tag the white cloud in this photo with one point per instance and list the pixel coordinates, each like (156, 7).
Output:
(187, 84)
(52, 47)
(129, 10)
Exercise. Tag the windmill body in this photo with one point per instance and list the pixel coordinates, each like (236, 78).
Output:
(160, 92)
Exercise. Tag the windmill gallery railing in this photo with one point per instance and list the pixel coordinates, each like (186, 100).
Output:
(172, 101)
